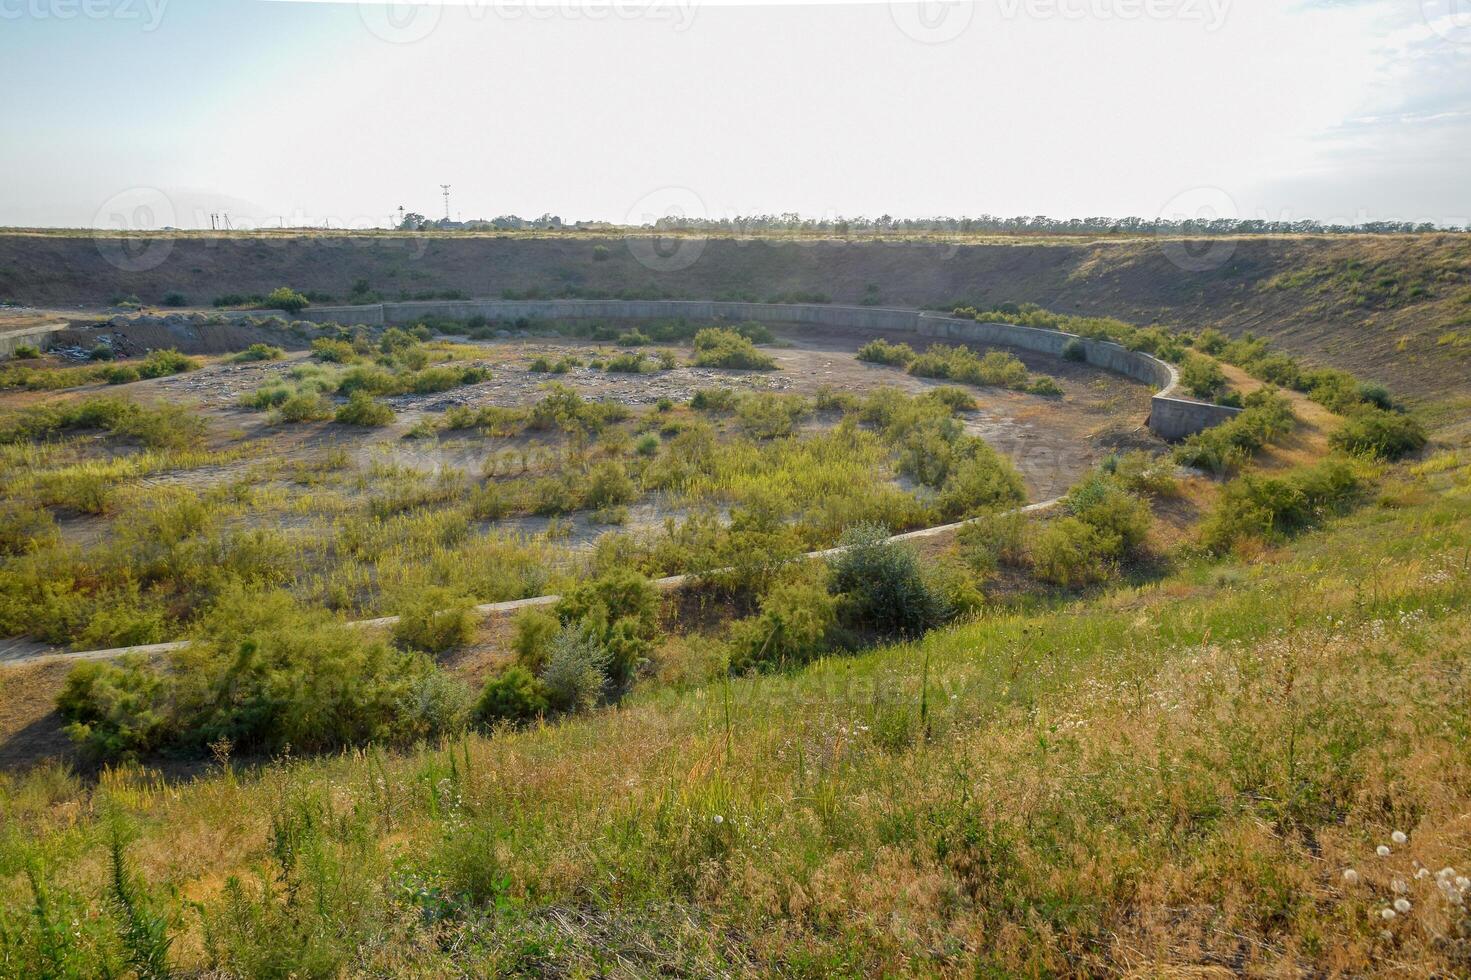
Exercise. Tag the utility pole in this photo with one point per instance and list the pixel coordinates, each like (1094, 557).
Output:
(445, 187)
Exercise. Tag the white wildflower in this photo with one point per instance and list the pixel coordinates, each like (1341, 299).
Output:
(1398, 837)
(718, 818)
(1399, 886)
(1386, 914)
(1382, 851)
(1350, 876)
(1402, 905)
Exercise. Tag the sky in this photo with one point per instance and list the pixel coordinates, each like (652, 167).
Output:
(146, 113)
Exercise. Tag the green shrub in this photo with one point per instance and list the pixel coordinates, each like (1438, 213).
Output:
(1267, 417)
(1202, 376)
(363, 409)
(259, 352)
(797, 616)
(995, 368)
(1043, 385)
(434, 705)
(175, 299)
(1070, 553)
(304, 406)
(515, 695)
(101, 352)
(117, 709)
(576, 669)
(286, 298)
(27, 352)
(954, 399)
(608, 485)
(881, 585)
(1210, 341)
(1074, 350)
(1121, 518)
(717, 347)
(435, 620)
(714, 400)
(540, 365)
(992, 541)
(25, 528)
(161, 363)
(620, 611)
(629, 363)
(534, 631)
(879, 351)
(1276, 507)
(262, 674)
(1385, 435)
(768, 416)
(333, 351)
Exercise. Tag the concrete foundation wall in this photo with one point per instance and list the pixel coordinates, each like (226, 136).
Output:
(1172, 417)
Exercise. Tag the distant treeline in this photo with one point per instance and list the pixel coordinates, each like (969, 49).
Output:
(985, 224)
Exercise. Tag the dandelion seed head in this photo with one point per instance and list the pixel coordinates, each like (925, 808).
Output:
(719, 819)
(1351, 876)
(1398, 837)
(1382, 850)
(1399, 886)
(1386, 914)
(1402, 905)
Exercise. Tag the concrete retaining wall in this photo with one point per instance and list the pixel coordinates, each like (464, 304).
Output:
(38, 337)
(1171, 416)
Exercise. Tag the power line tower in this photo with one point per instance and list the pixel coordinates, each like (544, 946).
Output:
(445, 188)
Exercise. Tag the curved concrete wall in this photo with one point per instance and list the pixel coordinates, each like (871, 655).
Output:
(1171, 416)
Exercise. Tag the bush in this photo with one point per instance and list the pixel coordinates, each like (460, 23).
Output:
(363, 409)
(717, 347)
(638, 363)
(101, 352)
(435, 620)
(333, 351)
(1070, 553)
(881, 584)
(1074, 350)
(304, 406)
(515, 695)
(797, 616)
(263, 673)
(1267, 417)
(620, 611)
(992, 541)
(1273, 508)
(259, 352)
(1385, 435)
(175, 299)
(879, 351)
(713, 400)
(534, 631)
(576, 669)
(608, 485)
(995, 368)
(161, 363)
(27, 352)
(286, 298)
(434, 706)
(1210, 341)
(769, 416)
(1202, 376)
(1121, 519)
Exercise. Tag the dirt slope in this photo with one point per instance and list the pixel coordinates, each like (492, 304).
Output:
(1392, 308)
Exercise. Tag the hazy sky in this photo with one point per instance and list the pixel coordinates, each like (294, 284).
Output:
(166, 110)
